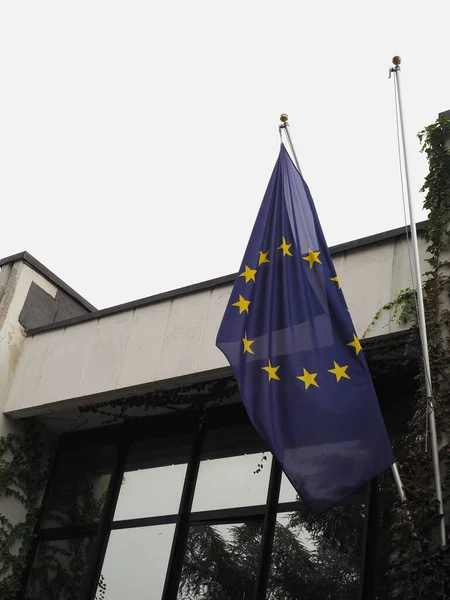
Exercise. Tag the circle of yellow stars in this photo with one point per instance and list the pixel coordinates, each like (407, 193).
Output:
(309, 379)
(249, 274)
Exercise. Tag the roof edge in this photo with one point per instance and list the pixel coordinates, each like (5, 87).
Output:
(218, 281)
(377, 237)
(37, 266)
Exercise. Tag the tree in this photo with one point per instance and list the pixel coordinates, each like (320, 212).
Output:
(312, 559)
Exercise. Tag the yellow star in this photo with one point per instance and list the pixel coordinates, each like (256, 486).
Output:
(356, 344)
(272, 371)
(249, 274)
(308, 379)
(339, 371)
(247, 344)
(242, 304)
(312, 258)
(285, 247)
(336, 279)
(263, 257)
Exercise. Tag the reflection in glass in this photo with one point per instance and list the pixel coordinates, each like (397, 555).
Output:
(221, 562)
(135, 563)
(287, 492)
(317, 558)
(59, 569)
(232, 482)
(79, 487)
(150, 492)
(154, 476)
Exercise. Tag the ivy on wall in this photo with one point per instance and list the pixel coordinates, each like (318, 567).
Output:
(402, 308)
(419, 566)
(134, 407)
(24, 461)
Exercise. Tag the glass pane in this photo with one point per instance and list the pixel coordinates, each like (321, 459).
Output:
(150, 492)
(59, 569)
(287, 492)
(231, 482)
(153, 479)
(221, 562)
(135, 563)
(79, 487)
(317, 557)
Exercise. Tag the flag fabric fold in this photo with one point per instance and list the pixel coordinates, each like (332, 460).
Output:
(299, 366)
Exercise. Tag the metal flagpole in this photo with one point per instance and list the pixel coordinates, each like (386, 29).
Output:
(284, 120)
(422, 323)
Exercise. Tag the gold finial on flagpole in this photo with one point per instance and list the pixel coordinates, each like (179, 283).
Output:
(285, 126)
(396, 60)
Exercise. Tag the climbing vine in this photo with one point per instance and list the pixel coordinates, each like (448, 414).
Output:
(419, 566)
(24, 463)
(132, 408)
(403, 309)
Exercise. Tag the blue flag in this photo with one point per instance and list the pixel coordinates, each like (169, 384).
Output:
(299, 366)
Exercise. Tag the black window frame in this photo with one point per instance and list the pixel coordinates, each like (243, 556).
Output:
(193, 420)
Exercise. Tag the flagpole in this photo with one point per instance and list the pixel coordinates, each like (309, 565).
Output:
(422, 322)
(284, 120)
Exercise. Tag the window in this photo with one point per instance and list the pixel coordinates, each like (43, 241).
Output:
(79, 486)
(221, 561)
(151, 485)
(231, 482)
(186, 508)
(60, 566)
(136, 562)
(319, 556)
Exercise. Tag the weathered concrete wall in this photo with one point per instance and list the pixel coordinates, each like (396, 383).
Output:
(15, 281)
(175, 338)
(12, 333)
(27, 298)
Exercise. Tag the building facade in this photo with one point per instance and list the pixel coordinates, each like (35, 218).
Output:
(158, 485)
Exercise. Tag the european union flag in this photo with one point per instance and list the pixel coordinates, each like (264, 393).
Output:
(299, 365)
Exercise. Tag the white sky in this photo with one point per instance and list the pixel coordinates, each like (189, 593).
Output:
(137, 138)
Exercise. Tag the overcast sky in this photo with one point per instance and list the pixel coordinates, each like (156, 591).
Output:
(137, 138)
